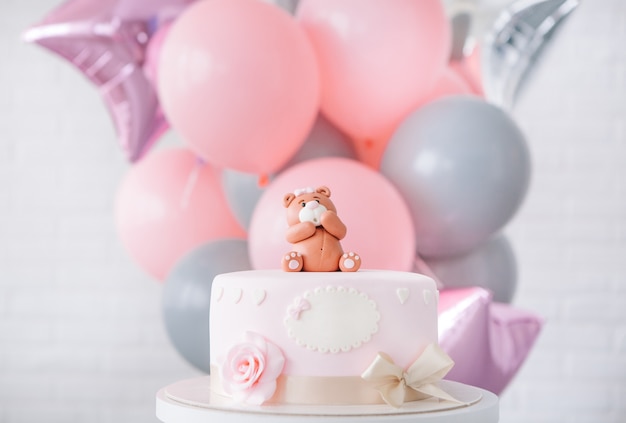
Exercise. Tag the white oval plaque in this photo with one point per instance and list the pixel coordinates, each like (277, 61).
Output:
(332, 319)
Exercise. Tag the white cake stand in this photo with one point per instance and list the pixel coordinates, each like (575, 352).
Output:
(189, 401)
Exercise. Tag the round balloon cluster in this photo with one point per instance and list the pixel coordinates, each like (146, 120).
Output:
(359, 95)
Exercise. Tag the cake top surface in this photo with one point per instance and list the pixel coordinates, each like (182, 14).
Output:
(324, 277)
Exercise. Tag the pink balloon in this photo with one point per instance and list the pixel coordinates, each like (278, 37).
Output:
(377, 59)
(168, 204)
(448, 83)
(239, 80)
(379, 224)
(153, 53)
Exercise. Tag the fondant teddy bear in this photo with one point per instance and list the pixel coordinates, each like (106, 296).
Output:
(315, 231)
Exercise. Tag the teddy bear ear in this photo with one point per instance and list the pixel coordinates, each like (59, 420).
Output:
(324, 190)
(288, 198)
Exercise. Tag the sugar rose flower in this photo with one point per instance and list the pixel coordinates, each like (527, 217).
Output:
(251, 368)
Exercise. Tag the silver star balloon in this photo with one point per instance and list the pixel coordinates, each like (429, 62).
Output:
(515, 42)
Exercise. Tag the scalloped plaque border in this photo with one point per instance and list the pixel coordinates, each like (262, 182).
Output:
(304, 323)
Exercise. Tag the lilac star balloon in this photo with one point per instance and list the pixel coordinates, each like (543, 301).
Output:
(107, 41)
(489, 341)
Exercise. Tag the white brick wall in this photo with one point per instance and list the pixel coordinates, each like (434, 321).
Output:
(570, 235)
(81, 333)
(81, 336)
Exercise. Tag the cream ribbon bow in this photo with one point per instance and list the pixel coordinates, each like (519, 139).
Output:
(421, 376)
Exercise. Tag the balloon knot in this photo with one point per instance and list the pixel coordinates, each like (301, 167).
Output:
(263, 180)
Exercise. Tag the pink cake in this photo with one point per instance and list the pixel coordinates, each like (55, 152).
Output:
(322, 337)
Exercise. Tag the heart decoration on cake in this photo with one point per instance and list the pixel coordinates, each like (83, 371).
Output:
(403, 294)
(428, 296)
(219, 293)
(258, 296)
(236, 294)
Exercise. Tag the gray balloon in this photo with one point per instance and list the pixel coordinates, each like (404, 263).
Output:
(288, 5)
(324, 140)
(187, 295)
(491, 266)
(242, 190)
(463, 167)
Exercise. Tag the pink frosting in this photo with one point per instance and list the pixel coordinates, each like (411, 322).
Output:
(251, 368)
(408, 323)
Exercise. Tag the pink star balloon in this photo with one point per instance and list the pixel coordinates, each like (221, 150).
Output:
(488, 341)
(107, 41)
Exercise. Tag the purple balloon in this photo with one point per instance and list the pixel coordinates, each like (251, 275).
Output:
(106, 40)
(463, 167)
(488, 341)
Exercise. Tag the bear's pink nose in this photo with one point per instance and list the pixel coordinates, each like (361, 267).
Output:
(312, 205)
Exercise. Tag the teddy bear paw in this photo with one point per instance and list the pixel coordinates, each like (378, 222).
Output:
(349, 262)
(292, 262)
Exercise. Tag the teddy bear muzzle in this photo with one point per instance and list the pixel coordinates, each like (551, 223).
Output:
(312, 212)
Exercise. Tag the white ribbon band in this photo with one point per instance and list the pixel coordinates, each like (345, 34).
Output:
(382, 382)
(318, 390)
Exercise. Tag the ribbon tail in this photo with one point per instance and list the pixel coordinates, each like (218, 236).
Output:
(393, 393)
(383, 370)
(435, 391)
